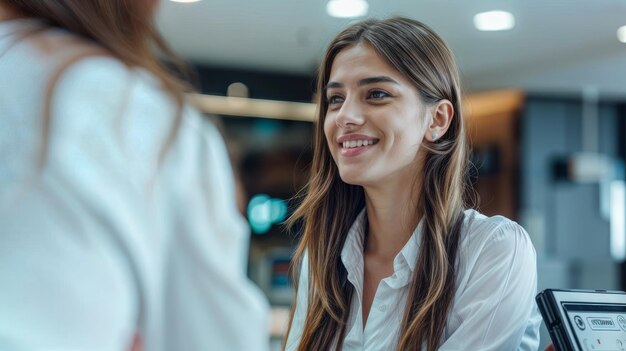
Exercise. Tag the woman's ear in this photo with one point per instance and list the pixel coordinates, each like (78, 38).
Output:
(442, 113)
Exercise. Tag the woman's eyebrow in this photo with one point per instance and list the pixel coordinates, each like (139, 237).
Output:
(331, 85)
(364, 81)
(377, 79)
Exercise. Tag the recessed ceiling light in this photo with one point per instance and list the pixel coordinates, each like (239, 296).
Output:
(621, 34)
(185, 0)
(494, 21)
(347, 8)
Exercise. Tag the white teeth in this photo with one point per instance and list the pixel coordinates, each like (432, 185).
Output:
(356, 143)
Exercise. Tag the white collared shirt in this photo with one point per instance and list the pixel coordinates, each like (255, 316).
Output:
(106, 242)
(493, 308)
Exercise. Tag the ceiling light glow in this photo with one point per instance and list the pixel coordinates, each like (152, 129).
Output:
(185, 1)
(621, 34)
(347, 8)
(494, 21)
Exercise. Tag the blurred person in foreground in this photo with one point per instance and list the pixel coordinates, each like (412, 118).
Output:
(391, 257)
(118, 223)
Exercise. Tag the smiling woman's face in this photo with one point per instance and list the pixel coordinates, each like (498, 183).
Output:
(376, 120)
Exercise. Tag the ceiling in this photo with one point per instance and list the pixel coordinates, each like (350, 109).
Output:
(562, 46)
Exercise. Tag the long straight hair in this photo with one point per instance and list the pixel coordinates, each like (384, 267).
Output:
(123, 29)
(329, 206)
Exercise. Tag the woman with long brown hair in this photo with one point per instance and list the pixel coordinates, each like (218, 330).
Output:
(118, 220)
(390, 258)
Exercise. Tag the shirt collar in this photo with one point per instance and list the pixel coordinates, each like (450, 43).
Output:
(352, 252)
(411, 249)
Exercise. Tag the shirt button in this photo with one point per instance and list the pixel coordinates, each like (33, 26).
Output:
(382, 308)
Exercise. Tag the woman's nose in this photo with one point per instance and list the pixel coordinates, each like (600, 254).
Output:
(350, 114)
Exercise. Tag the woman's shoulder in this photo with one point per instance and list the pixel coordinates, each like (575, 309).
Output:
(493, 242)
(31, 48)
(108, 81)
(479, 229)
(33, 42)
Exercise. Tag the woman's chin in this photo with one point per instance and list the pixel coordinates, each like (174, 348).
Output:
(353, 178)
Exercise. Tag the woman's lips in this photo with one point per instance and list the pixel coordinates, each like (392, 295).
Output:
(355, 144)
(354, 151)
